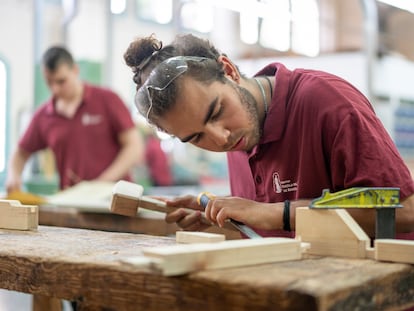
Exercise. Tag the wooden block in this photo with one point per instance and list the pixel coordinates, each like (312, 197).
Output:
(14, 215)
(331, 232)
(184, 258)
(189, 237)
(394, 250)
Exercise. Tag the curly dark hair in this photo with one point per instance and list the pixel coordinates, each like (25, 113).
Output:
(144, 54)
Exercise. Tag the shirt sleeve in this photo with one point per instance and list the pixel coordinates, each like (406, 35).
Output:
(32, 139)
(364, 155)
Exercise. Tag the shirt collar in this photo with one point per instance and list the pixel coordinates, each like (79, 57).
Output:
(50, 104)
(276, 117)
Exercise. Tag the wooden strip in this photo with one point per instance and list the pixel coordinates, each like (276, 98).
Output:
(181, 259)
(189, 237)
(331, 232)
(16, 216)
(394, 250)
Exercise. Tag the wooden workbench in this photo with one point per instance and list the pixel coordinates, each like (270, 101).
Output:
(84, 265)
(147, 222)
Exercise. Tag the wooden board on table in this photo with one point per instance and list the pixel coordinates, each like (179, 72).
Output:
(394, 250)
(331, 232)
(181, 259)
(189, 237)
(73, 264)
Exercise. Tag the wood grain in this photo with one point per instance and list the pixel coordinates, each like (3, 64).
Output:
(84, 265)
(331, 232)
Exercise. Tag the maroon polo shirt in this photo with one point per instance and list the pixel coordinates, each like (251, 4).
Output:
(320, 133)
(84, 145)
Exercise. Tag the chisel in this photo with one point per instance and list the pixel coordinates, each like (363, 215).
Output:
(203, 199)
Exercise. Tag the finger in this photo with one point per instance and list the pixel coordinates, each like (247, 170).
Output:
(188, 201)
(208, 212)
(215, 208)
(176, 216)
(221, 217)
(190, 221)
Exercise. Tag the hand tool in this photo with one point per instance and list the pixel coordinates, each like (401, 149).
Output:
(127, 198)
(203, 199)
(383, 199)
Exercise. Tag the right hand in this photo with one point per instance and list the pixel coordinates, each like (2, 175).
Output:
(187, 220)
(13, 183)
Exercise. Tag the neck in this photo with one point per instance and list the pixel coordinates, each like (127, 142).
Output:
(68, 106)
(265, 102)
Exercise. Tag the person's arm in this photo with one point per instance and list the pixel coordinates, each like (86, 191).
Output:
(269, 216)
(131, 154)
(265, 216)
(16, 166)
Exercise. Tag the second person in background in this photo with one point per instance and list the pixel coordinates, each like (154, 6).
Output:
(88, 128)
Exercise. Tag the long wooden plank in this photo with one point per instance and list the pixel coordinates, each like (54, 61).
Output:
(190, 237)
(394, 250)
(181, 259)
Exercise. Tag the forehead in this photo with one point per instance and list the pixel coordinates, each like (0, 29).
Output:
(193, 100)
(61, 71)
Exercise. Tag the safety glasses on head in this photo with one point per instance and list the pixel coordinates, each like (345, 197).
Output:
(162, 76)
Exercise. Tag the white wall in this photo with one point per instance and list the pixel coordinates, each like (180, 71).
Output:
(16, 49)
(87, 37)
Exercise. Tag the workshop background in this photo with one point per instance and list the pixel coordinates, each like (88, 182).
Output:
(368, 42)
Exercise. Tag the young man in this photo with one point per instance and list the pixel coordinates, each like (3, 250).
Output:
(288, 134)
(88, 128)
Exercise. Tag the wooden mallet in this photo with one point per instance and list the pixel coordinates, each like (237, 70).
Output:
(127, 198)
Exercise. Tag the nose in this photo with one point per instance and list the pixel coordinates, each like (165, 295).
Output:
(54, 88)
(218, 134)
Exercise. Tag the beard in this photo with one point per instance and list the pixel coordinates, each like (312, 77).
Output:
(250, 105)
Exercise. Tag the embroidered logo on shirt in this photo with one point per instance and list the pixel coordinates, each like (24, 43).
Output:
(90, 119)
(280, 186)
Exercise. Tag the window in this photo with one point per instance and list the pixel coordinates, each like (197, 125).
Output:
(3, 120)
(198, 16)
(158, 11)
(284, 25)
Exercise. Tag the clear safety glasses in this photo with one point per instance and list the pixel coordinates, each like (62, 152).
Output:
(162, 76)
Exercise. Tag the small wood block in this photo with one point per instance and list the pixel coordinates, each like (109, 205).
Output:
(331, 232)
(189, 237)
(184, 258)
(394, 250)
(14, 215)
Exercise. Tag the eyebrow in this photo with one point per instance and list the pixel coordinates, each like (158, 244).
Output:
(210, 112)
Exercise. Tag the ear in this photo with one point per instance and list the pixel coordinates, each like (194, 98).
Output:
(230, 70)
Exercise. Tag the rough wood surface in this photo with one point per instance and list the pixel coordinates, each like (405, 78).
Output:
(84, 265)
(146, 222)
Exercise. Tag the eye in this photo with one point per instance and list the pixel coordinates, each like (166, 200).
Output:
(196, 139)
(217, 115)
